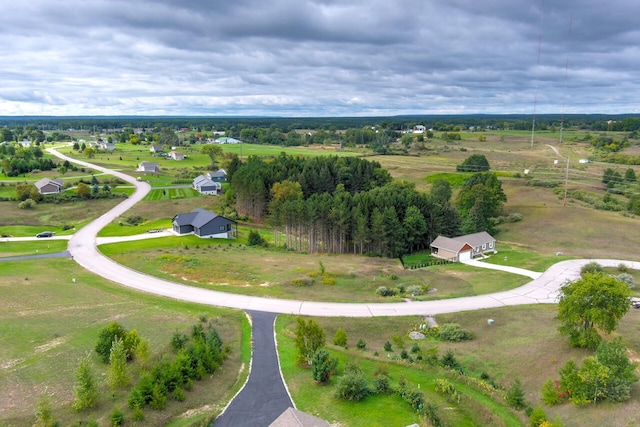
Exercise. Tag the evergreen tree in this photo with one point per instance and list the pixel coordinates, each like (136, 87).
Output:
(309, 338)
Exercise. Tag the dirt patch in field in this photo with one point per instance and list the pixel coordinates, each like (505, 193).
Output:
(51, 344)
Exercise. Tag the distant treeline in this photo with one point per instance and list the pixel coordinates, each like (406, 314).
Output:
(596, 122)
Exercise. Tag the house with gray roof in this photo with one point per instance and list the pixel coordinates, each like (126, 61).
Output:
(49, 186)
(463, 248)
(205, 224)
(204, 185)
(148, 167)
(219, 176)
(292, 417)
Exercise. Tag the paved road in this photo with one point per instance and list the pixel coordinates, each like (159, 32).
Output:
(61, 254)
(264, 396)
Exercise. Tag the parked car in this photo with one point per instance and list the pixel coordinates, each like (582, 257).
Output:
(45, 234)
(635, 303)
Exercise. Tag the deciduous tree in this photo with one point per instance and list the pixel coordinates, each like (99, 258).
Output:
(309, 338)
(595, 300)
(86, 389)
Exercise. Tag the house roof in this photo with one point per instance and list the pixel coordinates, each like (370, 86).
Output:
(149, 164)
(220, 173)
(456, 244)
(476, 239)
(203, 180)
(157, 147)
(197, 218)
(44, 181)
(448, 243)
(293, 418)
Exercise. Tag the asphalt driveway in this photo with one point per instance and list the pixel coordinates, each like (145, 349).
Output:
(264, 396)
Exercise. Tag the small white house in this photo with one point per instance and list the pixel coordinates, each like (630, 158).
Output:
(176, 155)
(148, 167)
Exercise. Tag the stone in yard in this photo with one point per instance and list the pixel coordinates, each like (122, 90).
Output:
(415, 335)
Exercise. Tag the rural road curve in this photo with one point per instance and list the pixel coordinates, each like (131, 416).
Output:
(543, 289)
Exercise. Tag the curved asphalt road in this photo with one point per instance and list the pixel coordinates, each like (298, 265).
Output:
(264, 396)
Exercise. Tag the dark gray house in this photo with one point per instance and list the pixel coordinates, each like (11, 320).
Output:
(205, 224)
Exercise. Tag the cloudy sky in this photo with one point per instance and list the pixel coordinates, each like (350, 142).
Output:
(318, 57)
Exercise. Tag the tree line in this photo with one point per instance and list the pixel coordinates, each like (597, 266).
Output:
(350, 205)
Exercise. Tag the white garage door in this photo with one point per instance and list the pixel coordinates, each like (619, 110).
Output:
(464, 256)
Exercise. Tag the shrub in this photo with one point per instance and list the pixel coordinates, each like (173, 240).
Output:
(117, 417)
(387, 346)
(361, 344)
(302, 281)
(106, 336)
(352, 386)
(255, 239)
(383, 291)
(415, 290)
(340, 338)
(550, 393)
(329, 280)
(537, 417)
(322, 365)
(415, 348)
(381, 384)
(27, 204)
(449, 361)
(592, 267)
(453, 332)
(626, 278)
(134, 220)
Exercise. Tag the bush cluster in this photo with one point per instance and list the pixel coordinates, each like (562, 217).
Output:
(202, 355)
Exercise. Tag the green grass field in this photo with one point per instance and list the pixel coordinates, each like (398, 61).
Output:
(39, 355)
(43, 246)
(374, 410)
(171, 194)
(229, 266)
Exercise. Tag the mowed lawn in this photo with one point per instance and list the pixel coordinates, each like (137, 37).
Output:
(50, 314)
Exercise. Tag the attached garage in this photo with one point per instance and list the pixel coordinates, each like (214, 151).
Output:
(464, 256)
(463, 248)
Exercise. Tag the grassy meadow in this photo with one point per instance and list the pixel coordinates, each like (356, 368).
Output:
(522, 343)
(231, 267)
(48, 323)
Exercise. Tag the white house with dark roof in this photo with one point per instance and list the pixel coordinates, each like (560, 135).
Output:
(205, 224)
(176, 155)
(463, 248)
(204, 185)
(148, 167)
(156, 149)
(49, 186)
